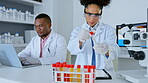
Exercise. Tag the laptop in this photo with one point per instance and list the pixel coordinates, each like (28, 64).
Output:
(9, 57)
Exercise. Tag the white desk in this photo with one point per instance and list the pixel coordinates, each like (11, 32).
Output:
(114, 79)
(39, 74)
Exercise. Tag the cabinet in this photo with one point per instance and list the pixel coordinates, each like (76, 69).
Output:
(18, 26)
(18, 3)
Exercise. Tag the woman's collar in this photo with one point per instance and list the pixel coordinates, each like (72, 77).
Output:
(86, 26)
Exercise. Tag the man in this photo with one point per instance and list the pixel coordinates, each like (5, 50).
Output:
(47, 47)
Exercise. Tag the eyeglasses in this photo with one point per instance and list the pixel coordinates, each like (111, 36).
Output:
(89, 15)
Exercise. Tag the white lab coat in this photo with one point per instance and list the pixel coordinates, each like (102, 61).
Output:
(55, 43)
(104, 34)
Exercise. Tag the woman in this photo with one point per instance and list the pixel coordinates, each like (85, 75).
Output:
(100, 48)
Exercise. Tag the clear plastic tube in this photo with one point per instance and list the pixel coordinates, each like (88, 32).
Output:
(53, 69)
(79, 75)
(68, 75)
(71, 75)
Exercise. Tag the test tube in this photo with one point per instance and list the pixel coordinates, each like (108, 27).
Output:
(93, 72)
(78, 75)
(71, 75)
(61, 72)
(58, 74)
(89, 80)
(65, 70)
(92, 33)
(57, 62)
(61, 67)
(86, 74)
(64, 63)
(68, 75)
(53, 70)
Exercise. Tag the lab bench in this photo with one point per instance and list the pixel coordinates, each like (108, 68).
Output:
(39, 74)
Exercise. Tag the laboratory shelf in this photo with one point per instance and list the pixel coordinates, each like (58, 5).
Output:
(16, 21)
(28, 2)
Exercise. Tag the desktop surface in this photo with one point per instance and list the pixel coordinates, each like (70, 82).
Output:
(39, 74)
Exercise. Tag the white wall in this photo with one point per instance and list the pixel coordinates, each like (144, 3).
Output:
(78, 11)
(64, 17)
(118, 12)
(47, 8)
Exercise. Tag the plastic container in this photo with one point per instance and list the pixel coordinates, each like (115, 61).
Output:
(31, 17)
(19, 15)
(1, 11)
(12, 39)
(22, 16)
(18, 39)
(5, 38)
(7, 14)
(0, 39)
(9, 38)
(11, 13)
(15, 14)
(26, 16)
(4, 12)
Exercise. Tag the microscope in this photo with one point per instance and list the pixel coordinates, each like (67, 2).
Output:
(136, 42)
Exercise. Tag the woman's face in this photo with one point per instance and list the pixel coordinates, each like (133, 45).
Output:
(92, 14)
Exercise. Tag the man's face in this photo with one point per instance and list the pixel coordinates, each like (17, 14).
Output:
(92, 14)
(43, 27)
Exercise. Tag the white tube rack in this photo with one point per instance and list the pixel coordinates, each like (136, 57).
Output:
(84, 77)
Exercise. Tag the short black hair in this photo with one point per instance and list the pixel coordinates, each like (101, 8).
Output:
(100, 3)
(42, 15)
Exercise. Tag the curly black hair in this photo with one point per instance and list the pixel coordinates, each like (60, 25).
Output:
(100, 3)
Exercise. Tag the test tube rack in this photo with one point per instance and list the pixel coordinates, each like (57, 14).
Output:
(74, 78)
(65, 75)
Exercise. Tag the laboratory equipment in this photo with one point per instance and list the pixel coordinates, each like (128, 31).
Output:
(73, 75)
(135, 39)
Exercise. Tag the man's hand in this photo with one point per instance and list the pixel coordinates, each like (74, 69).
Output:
(83, 35)
(29, 61)
(101, 48)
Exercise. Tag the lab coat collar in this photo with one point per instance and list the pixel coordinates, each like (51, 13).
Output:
(98, 27)
(50, 38)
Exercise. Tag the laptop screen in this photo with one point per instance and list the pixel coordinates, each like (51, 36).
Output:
(8, 56)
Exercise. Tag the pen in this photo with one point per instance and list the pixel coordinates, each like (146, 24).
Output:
(48, 50)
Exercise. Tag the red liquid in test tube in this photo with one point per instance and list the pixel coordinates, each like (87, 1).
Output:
(92, 33)
(58, 74)
(68, 75)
